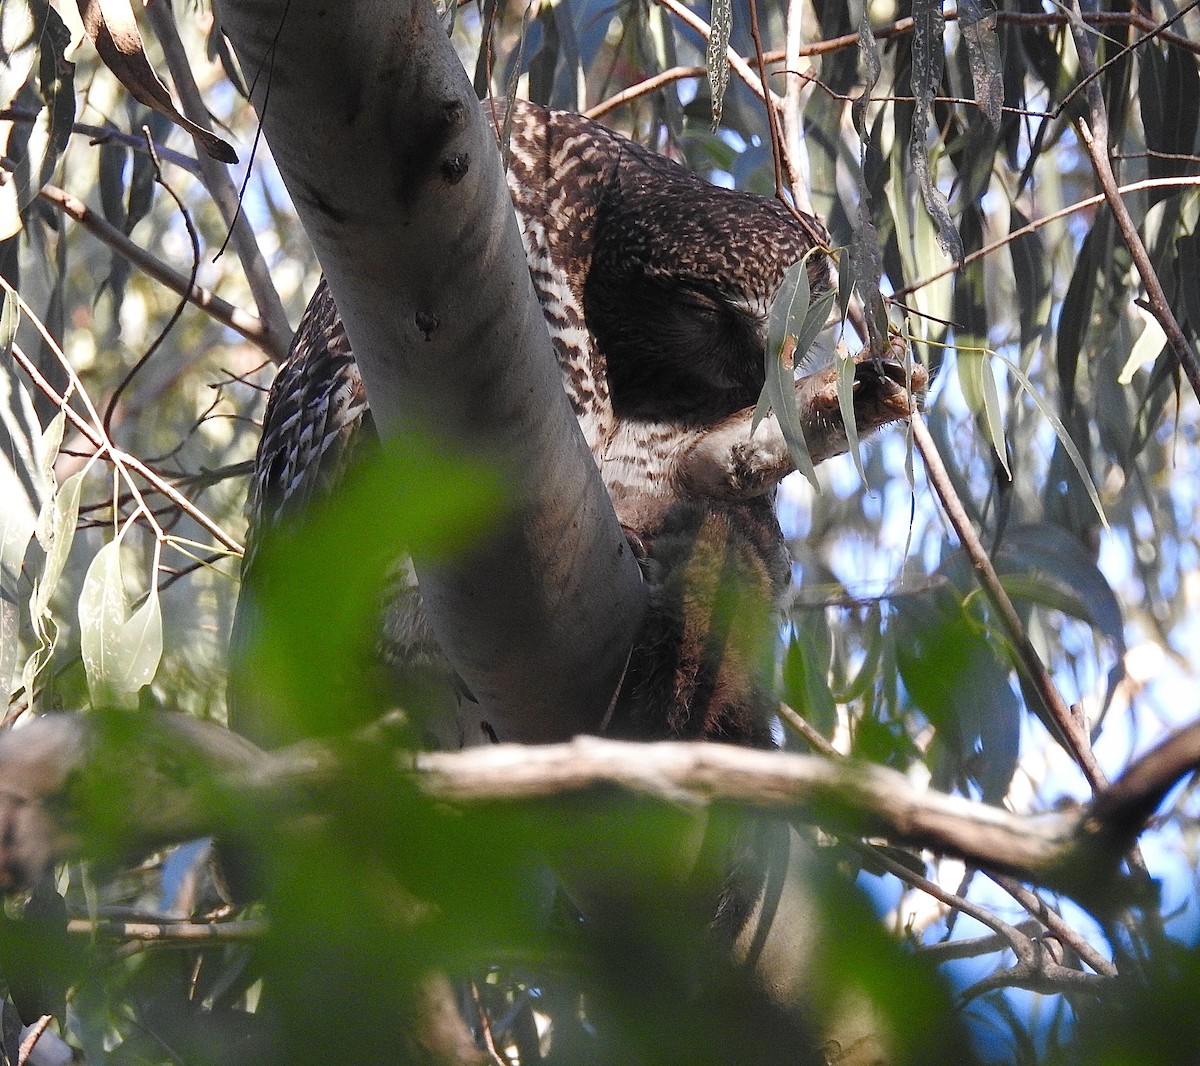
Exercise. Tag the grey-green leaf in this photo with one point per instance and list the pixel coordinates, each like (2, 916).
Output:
(928, 61)
(983, 52)
(121, 651)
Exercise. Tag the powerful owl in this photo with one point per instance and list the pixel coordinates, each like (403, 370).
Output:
(655, 287)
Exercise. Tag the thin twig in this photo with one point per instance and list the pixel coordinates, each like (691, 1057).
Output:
(1013, 937)
(149, 932)
(120, 456)
(769, 98)
(31, 1038)
(739, 66)
(163, 333)
(1095, 141)
(1073, 733)
(974, 946)
(1095, 72)
(1057, 925)
(216, 177)
(793, 91)
(1045, 220)
(249, 326)
(796, 722)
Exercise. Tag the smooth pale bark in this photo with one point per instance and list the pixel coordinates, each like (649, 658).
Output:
(396, 177)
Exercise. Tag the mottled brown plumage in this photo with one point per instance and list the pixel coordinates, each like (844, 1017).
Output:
(655, 287)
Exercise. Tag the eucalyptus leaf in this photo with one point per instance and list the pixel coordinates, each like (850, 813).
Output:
(121, 649)
(928, 61)
(62, 516)
(983, 49)
(979, 389)
(845, 393)
(1060, 431)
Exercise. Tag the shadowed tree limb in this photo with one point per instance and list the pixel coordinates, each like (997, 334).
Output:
(1077, 851)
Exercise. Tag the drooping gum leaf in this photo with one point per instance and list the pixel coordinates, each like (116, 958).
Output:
(928, 60)
(34, 74)
(794, 314)
(813, 323)
(781, 388)
(141, 645)
(47, 452)
(716, 58)
(790, 304)
(983, 52)
(979, 389)
(103, 609)
(62, 515)
(1060, 431)
(1146, 348)
(864, 247)
(120, 650)
(112, 28)
(845, 392)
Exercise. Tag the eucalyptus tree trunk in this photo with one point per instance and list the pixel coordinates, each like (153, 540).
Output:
(398, 182)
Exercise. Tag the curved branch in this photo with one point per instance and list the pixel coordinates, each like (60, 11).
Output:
(1095, 141)
(1072, 732)
(1076, 851)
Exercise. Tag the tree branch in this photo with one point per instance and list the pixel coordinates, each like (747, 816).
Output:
(1074, 735)
(216, 179)
(249, 326)
(1075, 851)
(1095, 140)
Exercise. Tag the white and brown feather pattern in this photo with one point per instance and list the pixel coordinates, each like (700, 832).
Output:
(655, 287)
(317, 420)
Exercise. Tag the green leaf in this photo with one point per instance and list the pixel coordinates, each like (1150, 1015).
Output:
(793, 302)
(1061, 573)
(1030, 280)
(781, 388)
(845, 392)
(61, 515)
(121, 651)
(1060, 431)
(806, 675)
(33, 35)
(954, 675)
(979, 390)
(17, 517)
(865, 266)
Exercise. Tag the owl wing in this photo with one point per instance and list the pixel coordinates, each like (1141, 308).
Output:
(316, 424)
